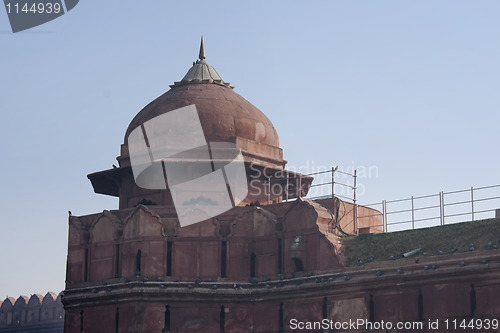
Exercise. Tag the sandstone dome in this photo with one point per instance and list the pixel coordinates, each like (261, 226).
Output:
(225, 116)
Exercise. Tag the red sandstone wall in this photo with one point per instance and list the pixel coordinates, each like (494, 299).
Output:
(302, 226)
(196, 249)
(396, 304)
(36, 313)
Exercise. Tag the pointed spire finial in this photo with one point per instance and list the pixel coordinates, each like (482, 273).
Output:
(202, 50)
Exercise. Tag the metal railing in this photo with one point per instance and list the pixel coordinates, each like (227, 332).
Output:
(409, 213)
(296, 181)
(327, 185)
(343, 185)
(439, 209)
(332, 184)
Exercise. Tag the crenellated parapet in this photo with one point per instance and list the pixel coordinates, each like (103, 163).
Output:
(32, 312)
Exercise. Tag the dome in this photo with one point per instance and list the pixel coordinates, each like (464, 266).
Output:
(225, 116)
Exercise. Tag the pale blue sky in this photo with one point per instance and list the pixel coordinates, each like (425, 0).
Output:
(410, 88)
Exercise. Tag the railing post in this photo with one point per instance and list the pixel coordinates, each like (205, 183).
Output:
(472, 201)
(300, 186)
(441, 207)
(412, 214)
(355, 207)
(333, 183)
(384, 215)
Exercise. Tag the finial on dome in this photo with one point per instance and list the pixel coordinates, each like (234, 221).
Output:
(201, 72)
(202, 50)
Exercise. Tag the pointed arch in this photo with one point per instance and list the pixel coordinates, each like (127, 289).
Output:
(142, 221)
(106, 227)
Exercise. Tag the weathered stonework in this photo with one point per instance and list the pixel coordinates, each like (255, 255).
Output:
(34, 314)
(258, 267)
